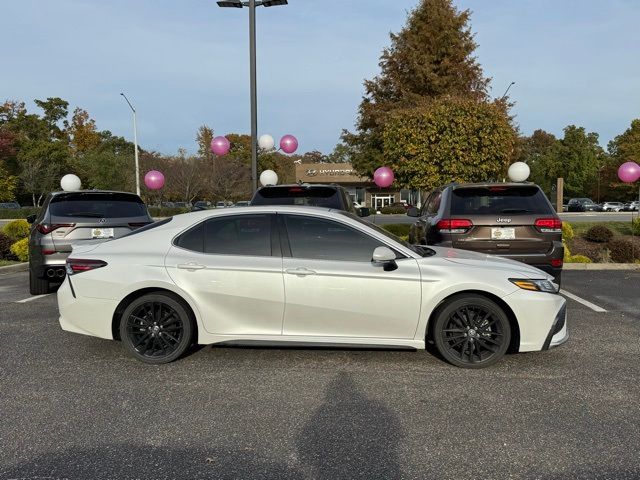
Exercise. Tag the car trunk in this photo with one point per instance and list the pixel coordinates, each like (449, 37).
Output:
(89, 230)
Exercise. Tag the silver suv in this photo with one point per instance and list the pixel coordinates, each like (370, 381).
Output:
(68, 219)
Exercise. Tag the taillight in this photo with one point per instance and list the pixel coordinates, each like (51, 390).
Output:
(549, 225)
(45, 228)
(78, 265)
(556, 262)
(455, 225)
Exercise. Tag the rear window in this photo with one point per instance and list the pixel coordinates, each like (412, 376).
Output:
(97, 205)
(299, 195)
(499, 200)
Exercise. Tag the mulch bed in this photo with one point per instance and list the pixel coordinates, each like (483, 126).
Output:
(597, 251)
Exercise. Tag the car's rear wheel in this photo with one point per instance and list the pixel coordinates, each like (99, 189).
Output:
(471, 331)
(156, 328)
(38, 286)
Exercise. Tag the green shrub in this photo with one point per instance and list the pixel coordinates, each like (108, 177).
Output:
(567, 254)
(635, 226)
(16, 230)
(7, 213)
(398, 229)
(5, 247)
(579, 259)
(21, 249)
(393, 210)
(567, 231)
(598, 234)
(621, 251)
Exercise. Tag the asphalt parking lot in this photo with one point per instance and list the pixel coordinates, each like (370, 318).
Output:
(76, 407)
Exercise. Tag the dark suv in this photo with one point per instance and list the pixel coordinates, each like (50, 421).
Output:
(328, 196)
(583, 205)
(512, 220)
(68, 219)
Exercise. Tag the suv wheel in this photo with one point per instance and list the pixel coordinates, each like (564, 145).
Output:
(37, 286)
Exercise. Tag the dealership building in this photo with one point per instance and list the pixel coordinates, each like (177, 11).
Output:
(361, 189)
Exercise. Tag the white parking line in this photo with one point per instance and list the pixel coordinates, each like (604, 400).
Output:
(32, 298)
(584, 302)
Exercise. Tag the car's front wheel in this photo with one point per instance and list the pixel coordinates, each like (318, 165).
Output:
(156, 328)
(471, 331)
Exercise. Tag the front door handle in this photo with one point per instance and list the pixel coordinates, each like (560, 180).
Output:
(300, 271)
(191, 266)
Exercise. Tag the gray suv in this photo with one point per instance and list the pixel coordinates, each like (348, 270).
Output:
(69, 219)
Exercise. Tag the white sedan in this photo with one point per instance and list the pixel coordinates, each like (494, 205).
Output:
(303, 275)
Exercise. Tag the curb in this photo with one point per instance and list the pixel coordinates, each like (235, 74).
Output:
(601, 266)
(20, 267)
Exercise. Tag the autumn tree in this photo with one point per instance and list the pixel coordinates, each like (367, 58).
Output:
(623, 148)
(203, 139)
(452, 139)
(430, 58)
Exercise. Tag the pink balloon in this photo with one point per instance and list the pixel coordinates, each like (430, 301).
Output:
(289, 144)
(383, 177)
(629, 172)
(220, 146)
(154, 180)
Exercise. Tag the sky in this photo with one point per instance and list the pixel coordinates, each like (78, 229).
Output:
(185, 63)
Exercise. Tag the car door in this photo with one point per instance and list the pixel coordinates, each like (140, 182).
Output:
(232, 267)
(334, 290)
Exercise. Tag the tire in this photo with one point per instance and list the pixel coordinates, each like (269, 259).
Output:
(38, 286)
(489, 326)
(156, 328)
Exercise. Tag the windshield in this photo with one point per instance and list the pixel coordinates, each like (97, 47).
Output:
(419, 249)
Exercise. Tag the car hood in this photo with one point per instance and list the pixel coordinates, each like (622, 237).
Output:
(484, 261)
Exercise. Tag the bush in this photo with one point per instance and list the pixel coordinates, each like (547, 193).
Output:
(398, 229)
(579, 259)
(21, 249)
(393, 210)
(18, 212)
(635, 226)
(17, 230)
(567, 254)
(598, 234)
(567, 231)
(621, 251)
(5, 247)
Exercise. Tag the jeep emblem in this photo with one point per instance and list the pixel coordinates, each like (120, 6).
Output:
(503, 220)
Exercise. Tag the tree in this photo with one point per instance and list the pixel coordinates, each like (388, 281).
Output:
(431, 57)
(203, 139)
(185, 179)
(83, 133)
(623, 148)
(8, 184)
(55, 110)
(450, 140)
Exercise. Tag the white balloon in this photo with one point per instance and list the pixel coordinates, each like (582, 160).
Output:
(519, 172)
(268, 177)
(266, 142)
(70, 182)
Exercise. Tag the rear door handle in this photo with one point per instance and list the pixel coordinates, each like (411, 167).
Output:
(300, 271)
(191, 266)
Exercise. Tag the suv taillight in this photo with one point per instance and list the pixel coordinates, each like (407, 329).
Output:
(549, 225)
(45, 228)
(454, 225)
(77, 265)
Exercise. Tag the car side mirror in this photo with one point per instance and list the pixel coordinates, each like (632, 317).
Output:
(31, 218)
(386, 257)
(413, 212)
(363, 211)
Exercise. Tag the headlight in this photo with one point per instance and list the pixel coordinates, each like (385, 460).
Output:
(535, 285)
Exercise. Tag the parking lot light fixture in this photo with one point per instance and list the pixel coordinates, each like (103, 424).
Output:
(135, 144)
(252, 4)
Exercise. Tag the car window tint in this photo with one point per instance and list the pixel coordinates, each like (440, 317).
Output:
(425, 205)
(97, 205)
(239, 235)
(327, 240)
(434, 203)
(499, 200)
(192, 239)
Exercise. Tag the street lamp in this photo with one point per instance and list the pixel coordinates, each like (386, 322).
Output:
(252, 4)
(135, 144)
(507, 90)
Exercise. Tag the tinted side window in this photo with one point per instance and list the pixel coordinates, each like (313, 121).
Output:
(327, 240)
(192, 239)
(425, 205)
(434, 203)
(238, 235)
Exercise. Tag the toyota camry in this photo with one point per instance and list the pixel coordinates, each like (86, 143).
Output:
(279, 275)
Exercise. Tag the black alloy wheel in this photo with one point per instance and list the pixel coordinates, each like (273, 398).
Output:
(156, 328)
(471, 331)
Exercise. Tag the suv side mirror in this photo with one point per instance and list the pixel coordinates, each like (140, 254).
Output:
(413, 212)
(363, 211)
(386, 257)
(31, 218)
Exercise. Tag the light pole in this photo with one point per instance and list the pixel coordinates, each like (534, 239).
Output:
(507, 90)
(135, 144)
(252, 4)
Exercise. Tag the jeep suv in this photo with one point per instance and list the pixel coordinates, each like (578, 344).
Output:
(68, 219)
(512, 220)
(328, 196)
